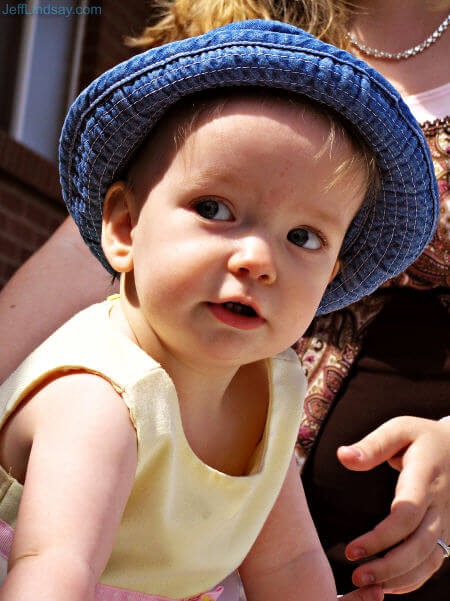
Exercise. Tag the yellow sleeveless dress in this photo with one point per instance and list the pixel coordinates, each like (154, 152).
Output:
(186, 525)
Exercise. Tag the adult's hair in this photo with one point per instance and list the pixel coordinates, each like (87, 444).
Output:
(177, 19)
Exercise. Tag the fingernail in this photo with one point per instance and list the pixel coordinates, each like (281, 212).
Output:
(367, 578)
(356, 553)
(354, 451)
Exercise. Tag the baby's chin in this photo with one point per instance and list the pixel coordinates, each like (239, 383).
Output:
(236, 347)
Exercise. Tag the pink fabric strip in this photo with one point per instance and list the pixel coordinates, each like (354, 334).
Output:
(6, 539)
(103, 592)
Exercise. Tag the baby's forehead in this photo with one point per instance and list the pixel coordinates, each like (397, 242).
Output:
(248, 109)
(241, 123)
(175, 133)
(184, 119)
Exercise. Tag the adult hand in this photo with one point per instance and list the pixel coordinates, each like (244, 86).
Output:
(420, 512)
(368, 593)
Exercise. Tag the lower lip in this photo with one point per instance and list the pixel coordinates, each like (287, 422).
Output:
(235, 320)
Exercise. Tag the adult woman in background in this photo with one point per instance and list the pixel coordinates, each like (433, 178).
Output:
(381, 358)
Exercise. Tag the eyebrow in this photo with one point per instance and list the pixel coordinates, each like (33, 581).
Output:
(200, 177)
(334, 220)
(214, 172)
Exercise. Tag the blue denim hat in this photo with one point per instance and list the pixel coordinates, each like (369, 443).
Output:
(111, 117)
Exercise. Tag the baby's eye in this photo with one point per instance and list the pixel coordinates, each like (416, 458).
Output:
(305, 238)
(213, 209)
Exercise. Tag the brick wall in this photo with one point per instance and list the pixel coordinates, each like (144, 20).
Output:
(104, 44)
(30, 199)
(30, 204)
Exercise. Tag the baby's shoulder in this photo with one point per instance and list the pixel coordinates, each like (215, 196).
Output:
(73, 405)
(74, 393)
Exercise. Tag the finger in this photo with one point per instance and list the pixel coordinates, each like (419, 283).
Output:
(403, 520)
(421, 471)
(369, 593)
(408, 509)
(404, 558)
(387, 441)
(417, 577)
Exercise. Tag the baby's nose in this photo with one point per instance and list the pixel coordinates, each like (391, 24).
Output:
(254, 258)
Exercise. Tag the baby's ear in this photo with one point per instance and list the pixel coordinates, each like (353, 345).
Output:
(117, 225)
(336, 268)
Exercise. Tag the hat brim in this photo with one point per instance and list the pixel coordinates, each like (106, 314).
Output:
(117, 111)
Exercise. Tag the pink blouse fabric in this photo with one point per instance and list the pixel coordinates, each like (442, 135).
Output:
(430, 105)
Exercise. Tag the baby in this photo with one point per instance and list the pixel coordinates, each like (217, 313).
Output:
(150, 440)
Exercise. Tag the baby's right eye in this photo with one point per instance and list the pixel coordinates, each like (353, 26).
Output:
(213, 209)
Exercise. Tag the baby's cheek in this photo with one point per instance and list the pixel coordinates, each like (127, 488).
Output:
(172, 271)
(306, 299)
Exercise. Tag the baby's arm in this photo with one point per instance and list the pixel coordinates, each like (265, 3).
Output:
(80, 472)
(287, 561)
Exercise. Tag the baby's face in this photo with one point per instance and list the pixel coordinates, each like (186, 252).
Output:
(238, 238)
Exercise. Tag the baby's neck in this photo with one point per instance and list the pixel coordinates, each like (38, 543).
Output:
(199, 384)
(223, 410)
(205, 383)
(225, 435)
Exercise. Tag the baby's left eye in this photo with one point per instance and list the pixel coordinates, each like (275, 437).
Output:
(213, 209)
(305, 238)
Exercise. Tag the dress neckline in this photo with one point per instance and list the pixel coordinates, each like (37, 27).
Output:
(261, 450)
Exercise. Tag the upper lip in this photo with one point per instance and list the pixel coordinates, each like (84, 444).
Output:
(243, 300)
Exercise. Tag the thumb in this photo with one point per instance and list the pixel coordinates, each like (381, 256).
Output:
(368, 593)
(387, 443)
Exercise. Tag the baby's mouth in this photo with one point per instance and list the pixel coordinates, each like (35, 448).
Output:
(237, 315)
(240, 309)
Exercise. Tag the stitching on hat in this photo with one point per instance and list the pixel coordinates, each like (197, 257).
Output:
(243, 67)
(257, 43)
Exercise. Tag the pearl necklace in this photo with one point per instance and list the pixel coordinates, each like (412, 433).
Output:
(406, 53)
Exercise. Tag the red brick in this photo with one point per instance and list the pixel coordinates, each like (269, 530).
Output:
(38, 239)
(55, 221)
(10, 249)
(13, 202)
(43, 217)
(24, 255)
(29, 167)
(34, 213)
(9, 271)
(21, 232)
